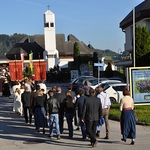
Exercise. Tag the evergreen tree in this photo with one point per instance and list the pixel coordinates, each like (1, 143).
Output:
(76, 54)
(142, 44)
(76, 50)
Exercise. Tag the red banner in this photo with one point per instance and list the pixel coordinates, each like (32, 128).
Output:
(39, 70)
(15, 70)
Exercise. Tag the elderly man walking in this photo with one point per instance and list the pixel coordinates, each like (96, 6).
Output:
(92, 111)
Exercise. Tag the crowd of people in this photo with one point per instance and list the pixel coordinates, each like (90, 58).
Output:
(45, 108)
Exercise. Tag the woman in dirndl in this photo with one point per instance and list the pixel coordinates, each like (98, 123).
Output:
(127, 120)
(39, 105)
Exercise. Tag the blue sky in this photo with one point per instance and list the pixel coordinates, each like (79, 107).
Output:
(91, 21)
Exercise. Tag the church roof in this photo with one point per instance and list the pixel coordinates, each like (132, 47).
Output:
(26, 48)
(141, 11)
(65, 48)
(48, 12)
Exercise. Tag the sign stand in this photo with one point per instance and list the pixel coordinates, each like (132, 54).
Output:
(98, 65)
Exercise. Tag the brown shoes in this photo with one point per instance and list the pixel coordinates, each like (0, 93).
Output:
(98, 134)
(106, 137)
(94, 144)
(58, 137)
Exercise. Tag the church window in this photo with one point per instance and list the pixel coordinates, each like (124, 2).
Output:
(51, 24)
(46, 24)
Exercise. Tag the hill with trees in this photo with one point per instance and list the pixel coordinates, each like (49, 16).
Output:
(8, 41)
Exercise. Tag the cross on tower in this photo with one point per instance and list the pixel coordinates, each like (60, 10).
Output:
(48, 7)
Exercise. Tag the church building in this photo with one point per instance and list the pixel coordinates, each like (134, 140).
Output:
(51, 47)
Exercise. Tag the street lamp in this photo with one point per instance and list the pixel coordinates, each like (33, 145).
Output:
(119, 52)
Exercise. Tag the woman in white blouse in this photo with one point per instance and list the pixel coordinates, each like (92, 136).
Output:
(127, 121)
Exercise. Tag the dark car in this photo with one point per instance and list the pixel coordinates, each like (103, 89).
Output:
(80, 82)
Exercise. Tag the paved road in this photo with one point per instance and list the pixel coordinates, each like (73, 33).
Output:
(16, 135)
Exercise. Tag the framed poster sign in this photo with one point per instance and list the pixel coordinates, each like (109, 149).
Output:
(140, 84)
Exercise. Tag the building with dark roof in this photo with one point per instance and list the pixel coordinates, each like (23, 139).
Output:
(142, 17)
(65, 48)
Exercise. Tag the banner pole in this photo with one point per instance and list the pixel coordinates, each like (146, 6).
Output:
(39, 66)
(15, 68)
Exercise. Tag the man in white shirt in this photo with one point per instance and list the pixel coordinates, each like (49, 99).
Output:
(27, 85)
(106, 103)
(43, 86)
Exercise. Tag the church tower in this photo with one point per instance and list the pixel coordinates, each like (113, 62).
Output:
(51, 53)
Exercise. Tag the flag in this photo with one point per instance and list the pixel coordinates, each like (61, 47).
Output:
(40, 70)
(43, 70)
(15, 70)
(31, 67)
(36, 71)
(31, 63)
(22, 57)
(31, 56)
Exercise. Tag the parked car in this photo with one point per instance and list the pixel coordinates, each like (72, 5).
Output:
(114, 91)
(117, 78)
(80, 81)
(104, 83)
(93, 83)
(87, 83)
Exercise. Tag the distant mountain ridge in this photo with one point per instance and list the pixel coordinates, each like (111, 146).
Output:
(8, 41)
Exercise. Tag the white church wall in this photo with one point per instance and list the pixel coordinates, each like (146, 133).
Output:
(64, 62)
(57, 57)
(49, 39)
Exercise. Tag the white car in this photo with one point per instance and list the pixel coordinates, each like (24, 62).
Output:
(115, 91)
(104, 83)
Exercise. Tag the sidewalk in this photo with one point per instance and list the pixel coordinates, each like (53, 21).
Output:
(16, 135)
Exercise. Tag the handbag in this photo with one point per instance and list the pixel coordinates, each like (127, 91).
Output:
(101, 121)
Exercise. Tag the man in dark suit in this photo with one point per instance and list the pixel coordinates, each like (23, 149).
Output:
(60, 97)
(34, 94)
(92, 112)
(26, 101)
(78, 107)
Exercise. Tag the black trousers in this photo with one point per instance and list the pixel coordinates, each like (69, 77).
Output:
(61, 123)
(27, 114)
(91, 130)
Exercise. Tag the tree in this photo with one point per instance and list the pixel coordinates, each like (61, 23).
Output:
(142, 44)
(76, 54)
(109, 71)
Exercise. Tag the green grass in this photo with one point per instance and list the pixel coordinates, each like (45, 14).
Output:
(142, 112)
